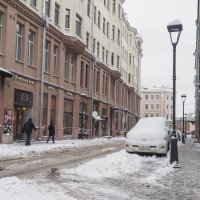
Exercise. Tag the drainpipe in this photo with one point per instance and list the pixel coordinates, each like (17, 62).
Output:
(45, 25)
(93, 63)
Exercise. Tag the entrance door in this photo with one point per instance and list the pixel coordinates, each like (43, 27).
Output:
(18, 122)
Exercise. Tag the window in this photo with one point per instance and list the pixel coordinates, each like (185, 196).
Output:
(113, 6)
(55, 59)
(94, 45)
(157, 97)
(67, 117)
(1, 32)
(88, 8)
(152, 97)
(31, 47)
(106, 56)
(78, 25)
(66, 65)
(72, 69)
(108, 26)
(19, 40)
(146, 106)
(118, 36)
(86, 75)
(44, 118)
(46, 59)
(87, 39)
(47, 8)
(103, 53)
(113, 32)
(112, 58)
(53, 109)
(98, 49)
(118, 62)
(157, 106)
(98, 82)
(95, 14)
(104, 25)
(119, 11)
(82, 74)
(56, 17)
(99, 19)
(106, 87)
(67, 18)
(146, 96)
(152, 106)
(33, 3)
(103, 84)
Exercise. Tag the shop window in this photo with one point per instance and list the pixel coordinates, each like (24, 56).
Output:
(44, 119)
(53, 109)
(67, 117)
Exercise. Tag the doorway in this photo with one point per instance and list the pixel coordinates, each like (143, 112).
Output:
(18, 122)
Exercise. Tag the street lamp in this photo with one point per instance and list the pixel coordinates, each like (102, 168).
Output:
(183, 96)
(82, 116)
(174, 29)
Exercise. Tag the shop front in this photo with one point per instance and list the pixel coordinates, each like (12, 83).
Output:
(23, 104)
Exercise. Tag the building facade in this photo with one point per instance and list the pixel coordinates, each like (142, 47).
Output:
(197, 76)
(157, 102)
(74, 62)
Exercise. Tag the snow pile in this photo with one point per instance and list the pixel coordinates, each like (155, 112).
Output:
(12, 188)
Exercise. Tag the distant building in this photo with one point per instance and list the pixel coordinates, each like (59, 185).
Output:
(156, 101)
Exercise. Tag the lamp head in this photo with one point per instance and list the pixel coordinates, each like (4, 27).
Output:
(174, 28)
(183, 96)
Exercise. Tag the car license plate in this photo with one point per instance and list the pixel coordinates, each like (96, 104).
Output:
(143, 148)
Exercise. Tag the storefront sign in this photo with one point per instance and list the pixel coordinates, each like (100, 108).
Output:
(50, 88)
(68, 93)
(25, 80)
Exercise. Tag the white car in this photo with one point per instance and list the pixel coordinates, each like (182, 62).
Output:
(149, 135)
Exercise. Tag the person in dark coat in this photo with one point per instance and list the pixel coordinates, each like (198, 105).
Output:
(51, 129)
(27, 128)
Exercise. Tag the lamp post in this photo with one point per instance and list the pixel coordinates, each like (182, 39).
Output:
(82, 116)
(174, 29)
(183, 96)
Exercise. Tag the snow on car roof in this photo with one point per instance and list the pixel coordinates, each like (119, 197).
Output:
(150, 127)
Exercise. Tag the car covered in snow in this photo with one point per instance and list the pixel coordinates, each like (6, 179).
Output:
(149, 135)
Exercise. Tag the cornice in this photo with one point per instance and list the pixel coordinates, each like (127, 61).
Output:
(25, 11)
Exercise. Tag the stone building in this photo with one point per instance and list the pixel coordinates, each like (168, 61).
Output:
(74, 62)
(157, 102)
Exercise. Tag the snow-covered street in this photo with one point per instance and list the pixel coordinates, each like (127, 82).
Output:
(118, 175)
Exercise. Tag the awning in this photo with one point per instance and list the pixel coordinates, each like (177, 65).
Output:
(5, 72)
(97, 118)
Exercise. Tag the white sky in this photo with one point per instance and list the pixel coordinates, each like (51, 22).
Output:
(85, 177)
(151, 18)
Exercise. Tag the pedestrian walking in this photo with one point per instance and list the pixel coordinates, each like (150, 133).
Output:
(51, 129)
(27, 128)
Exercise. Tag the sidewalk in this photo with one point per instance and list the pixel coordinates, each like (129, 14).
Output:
(19, 150)
(184, 183)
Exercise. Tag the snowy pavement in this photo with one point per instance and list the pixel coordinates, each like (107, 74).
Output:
(116, 176)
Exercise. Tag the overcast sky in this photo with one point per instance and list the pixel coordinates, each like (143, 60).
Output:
(150, 18)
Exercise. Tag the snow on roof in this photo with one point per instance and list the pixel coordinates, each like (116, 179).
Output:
(150, 127)
(174, 22)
